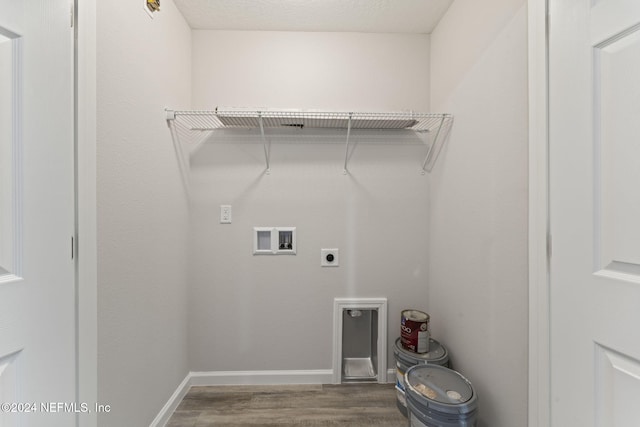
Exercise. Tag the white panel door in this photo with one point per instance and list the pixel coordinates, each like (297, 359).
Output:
(594, 126)
(37, 279)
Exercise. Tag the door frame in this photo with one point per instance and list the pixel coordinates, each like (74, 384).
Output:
(539, 243)
(539, 219)
(86, 209)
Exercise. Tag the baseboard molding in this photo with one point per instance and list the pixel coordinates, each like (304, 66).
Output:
(315, 376)
(391, 375)
(167, 410)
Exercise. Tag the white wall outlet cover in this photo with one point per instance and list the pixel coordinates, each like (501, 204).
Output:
(329, 257)
(225, 214)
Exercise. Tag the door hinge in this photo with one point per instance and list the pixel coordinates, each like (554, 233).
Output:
(549, 246)
(72, 13)
(73, 247)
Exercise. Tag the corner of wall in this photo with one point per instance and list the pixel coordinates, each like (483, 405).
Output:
(478, 213)
(143, 66)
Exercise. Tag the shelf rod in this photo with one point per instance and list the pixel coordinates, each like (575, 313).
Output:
(433, 144)
(264, 143)
(346, 150)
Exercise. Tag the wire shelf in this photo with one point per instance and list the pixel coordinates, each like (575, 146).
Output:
(231, 118)
(194, 126)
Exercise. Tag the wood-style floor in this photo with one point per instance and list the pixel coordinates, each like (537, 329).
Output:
(345, 405)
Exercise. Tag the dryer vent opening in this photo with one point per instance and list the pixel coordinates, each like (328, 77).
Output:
(360, 340)
(359, 345)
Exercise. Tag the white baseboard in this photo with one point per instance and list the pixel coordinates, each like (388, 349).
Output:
(167, 410)
(315, 376)
(391, 375)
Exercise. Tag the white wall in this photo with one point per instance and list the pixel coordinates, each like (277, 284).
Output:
(478, 216)
(453, 243)
(143, 65)
(275, 312)
(339, 71)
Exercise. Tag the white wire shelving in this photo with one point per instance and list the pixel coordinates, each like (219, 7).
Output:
(194, 126)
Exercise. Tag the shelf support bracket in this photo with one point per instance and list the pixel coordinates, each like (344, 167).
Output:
(433, 144)
(264, 143)
(183, 163)
(346, 150)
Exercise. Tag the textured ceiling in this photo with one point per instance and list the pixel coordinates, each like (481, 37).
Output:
(371, 16)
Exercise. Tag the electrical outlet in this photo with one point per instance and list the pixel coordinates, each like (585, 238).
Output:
(225, 214)
(329, 257)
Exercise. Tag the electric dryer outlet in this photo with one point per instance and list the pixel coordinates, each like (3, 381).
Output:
(329, 257)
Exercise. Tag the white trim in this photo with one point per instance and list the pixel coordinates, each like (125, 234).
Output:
(317, 376)
(14, 269)
(172, 404)
(9, 278)
(539, 333)
(340, 304)
(86, 273)
(18, 165)
(392, 375)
